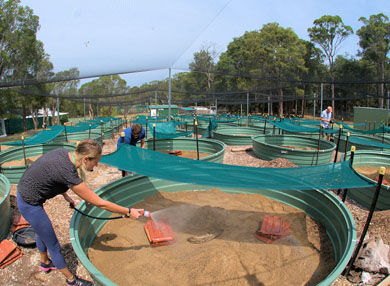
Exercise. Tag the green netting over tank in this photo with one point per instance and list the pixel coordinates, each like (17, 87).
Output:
(304, 121)
(213, 124)
(143, 120)
(295, 128)
(382, 129)
(87, 124)
(154, 164)
(368, 142)
(387, 129)
(167, 130)
(72, 129)
(42, 137)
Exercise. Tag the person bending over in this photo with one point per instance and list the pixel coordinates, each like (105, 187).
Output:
(53, 174)
(133, 134)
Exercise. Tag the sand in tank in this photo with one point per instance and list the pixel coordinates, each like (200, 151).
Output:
(122, 252)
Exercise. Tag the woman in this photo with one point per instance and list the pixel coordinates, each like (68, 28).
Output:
(53, 174)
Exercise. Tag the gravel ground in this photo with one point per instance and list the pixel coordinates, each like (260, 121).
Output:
(25, 271)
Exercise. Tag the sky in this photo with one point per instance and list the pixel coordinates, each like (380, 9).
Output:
(142, 39)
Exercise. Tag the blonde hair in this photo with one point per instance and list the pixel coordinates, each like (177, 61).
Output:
(86, 147)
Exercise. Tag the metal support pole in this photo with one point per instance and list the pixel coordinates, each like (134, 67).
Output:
(3, 127)
(383, 135)
(155, 99)
(112, 128)
(24, 153)
(345, 154)
(196, 137)
(273, 130)
(194, 124)
(338, 143)
(247, 109)
(353, 148)
(387, 113)
(346, 145)
(269, 105)
(123, 142)
(154, 136)
(319, 144)
(322, 96)
(66, 134)
(368, 221)
(146, 127)
(101, 131)
(58, 108)
(89, 132)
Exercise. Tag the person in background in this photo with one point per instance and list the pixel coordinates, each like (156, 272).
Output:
(326, 118)
(133, 134)
(53, 174)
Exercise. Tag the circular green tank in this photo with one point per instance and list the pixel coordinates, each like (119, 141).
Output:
(322, 206)
(78, 136)
(363, 196)
(215, 148)
(269, 128)
(269, 147)
(374, 139)
(5, 207)
(14, 173)
(236, 135)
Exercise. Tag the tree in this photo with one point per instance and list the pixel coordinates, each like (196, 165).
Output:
(375, 43)
(18, 45)
(263, 58)
(105, 85)
(329, 32)
(63, 88)
(204, 62)
(22, 56)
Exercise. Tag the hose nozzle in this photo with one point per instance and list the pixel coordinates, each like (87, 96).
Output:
(147, 214)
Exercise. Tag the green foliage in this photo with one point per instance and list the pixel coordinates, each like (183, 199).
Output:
(105, 85)
(375, 37)
(375, 43)
(22, 56)
(329, 32)
(64, 118)
(273, 53)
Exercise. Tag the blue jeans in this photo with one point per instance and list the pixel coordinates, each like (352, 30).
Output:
(46, 238)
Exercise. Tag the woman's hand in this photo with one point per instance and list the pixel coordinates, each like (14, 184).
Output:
(136, 213)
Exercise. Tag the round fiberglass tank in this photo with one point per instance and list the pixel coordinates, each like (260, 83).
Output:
(302, 151)
(368, 142)
(236, 135)
(367, 164)
(322, 206)
(209, 150)
(15, 171)
(78, 136)
(268, 127)
(5, 207)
